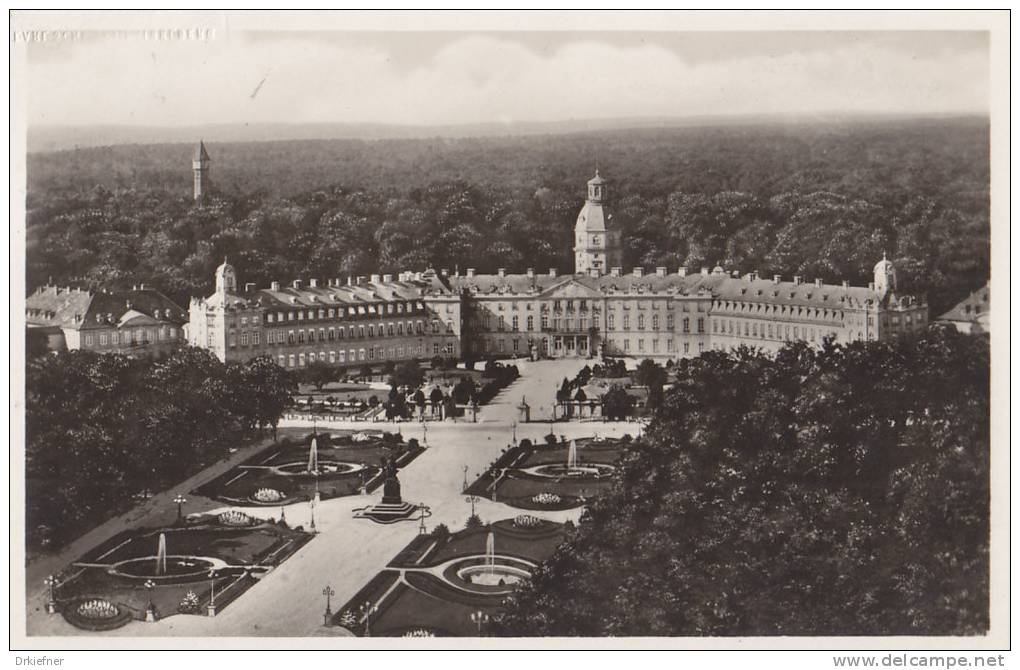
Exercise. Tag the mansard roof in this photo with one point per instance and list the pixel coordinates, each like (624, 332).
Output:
(343, 295)
(717, 285)
(81, 309)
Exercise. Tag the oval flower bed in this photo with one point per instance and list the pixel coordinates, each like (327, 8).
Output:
(266, 495)
(546, 499)
(235, 518)
(95, 614)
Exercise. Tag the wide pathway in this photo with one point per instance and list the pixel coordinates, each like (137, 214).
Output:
(348, 552)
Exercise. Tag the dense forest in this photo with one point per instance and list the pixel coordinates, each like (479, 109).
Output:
(818, 200)
(101, 428)
(841, 491)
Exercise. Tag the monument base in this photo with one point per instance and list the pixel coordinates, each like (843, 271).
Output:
(386, 512)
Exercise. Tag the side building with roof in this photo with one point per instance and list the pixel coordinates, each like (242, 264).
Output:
(139, 322)
(972, 314)
(412, 316)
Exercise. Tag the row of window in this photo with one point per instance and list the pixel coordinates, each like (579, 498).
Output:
(775, 331)
(132, 336)
(624, 346)
(337, 312)
(355, 355)
(301, 336)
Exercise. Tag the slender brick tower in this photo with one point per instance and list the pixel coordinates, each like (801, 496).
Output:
(200, 167)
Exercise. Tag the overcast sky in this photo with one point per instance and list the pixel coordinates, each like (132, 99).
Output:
(451, 78)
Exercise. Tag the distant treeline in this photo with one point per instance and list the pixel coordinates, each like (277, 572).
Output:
(821, 200)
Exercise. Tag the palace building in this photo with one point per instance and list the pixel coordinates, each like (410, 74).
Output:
(598, 310)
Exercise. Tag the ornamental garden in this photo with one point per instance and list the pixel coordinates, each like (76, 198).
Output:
(443, 585)
(319, 464)
(196, 567)
(555, 475)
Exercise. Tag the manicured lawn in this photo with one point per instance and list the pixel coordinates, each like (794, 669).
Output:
(348, 460)
(113, 573)
(508, 481)
(412, 592)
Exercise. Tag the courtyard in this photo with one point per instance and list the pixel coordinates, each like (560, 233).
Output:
(347, 553)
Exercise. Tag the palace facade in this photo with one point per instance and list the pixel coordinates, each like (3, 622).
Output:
(598, 310)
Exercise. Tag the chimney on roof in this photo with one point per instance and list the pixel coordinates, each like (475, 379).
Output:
(796, 280)
(818, 283)
(660, 271)
(552, 272)
(249, 287)
(682, 271)
(350, 280)
(470, 273)
(141, 287)
(638, 271)
(615, 272)
(361, 279)
(374, 279)
(704, 271)
(297, 284)
(274, 286)
(531, 273)
(313, 283)
(387, 279)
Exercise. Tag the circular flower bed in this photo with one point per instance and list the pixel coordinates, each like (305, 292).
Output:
(546, 499)
(527, 521)
(268, 495)
(235, 517)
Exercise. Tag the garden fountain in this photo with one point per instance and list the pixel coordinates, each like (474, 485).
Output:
(161, 555)
(572, 457)
(490, 552)
(313, 457)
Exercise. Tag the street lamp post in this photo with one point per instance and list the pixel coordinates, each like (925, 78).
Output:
(480, 618)
(311, 505)
(150, 609)
(211, 609)
(329, 593)
(472, 500)
(370, 609)
(180, 500)
(51, 605)
(513, 426)
(464, 490)
(421, 518)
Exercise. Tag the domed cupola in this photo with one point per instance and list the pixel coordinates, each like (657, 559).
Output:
(596, 240)
(885, 276)
(226, 278)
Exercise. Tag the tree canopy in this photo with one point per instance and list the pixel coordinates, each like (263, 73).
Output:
(101, 428)
(841, 491)
(815, 200)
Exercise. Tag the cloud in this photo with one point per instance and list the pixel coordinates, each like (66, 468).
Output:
(471, 78)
